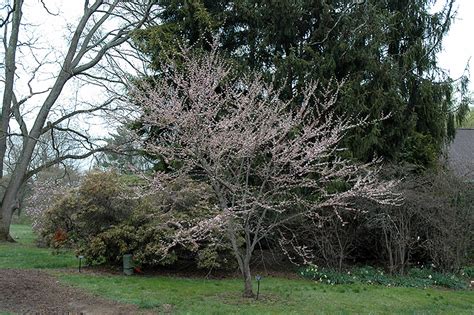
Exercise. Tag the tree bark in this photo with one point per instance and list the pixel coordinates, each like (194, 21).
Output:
(5, 221)
(10, 69)
(243, 261)
(248, 290)
(17, 178)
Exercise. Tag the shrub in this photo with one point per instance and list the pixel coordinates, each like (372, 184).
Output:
(47, 188)
(440, 221)
(60, 217)
(434, 225)
(106, 217)
(87, 210)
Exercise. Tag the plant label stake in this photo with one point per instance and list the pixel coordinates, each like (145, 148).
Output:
(258, 278)
(80, 262)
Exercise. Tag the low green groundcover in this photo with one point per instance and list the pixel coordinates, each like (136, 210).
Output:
(179, 295)
(415, 277)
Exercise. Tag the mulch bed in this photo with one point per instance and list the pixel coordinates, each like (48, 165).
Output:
(36, 292)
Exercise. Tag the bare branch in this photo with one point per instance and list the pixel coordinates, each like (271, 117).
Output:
(65, 157)
(47, 10)
(19, 117)
(67, 116)
(10, 10)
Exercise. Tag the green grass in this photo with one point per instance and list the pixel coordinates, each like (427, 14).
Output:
(23, 234)
(278, 296)
(22, 219)
(468, 121)
(199, 296)
(24, 254)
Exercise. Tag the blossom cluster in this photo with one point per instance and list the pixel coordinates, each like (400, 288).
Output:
(257, 149)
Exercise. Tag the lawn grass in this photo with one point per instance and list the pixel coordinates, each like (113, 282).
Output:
(278, 296)
(468, 120)
(23, 234)
(200, 296)
(24, 254)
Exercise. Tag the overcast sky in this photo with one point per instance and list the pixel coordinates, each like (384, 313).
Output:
(459, 44)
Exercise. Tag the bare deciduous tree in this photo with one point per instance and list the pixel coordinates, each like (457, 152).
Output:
(268, 162)
(105, 25)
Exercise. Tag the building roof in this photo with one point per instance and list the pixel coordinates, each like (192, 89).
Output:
(461, 153)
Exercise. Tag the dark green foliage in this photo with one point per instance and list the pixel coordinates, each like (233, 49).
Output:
(468, 272)
(468, 122)
(416, 277)
(125, 155)
(87, 210)
(104, 219)
(384, 50)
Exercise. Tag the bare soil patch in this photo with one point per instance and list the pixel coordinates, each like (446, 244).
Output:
(36, 292)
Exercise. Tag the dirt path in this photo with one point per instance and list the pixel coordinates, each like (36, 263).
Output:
(34, 291)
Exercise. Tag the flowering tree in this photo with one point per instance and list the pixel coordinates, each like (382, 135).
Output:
(268, 162)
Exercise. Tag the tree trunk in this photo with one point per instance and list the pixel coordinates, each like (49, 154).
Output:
(9, 80)
(8, 204)
(7, 208)
(248, 291)
(242, 260)
(18, 176)
(389, 251)
(5, 220)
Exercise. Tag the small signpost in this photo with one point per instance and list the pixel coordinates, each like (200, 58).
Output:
(258, 278)
(80, 262)
(128, 264)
